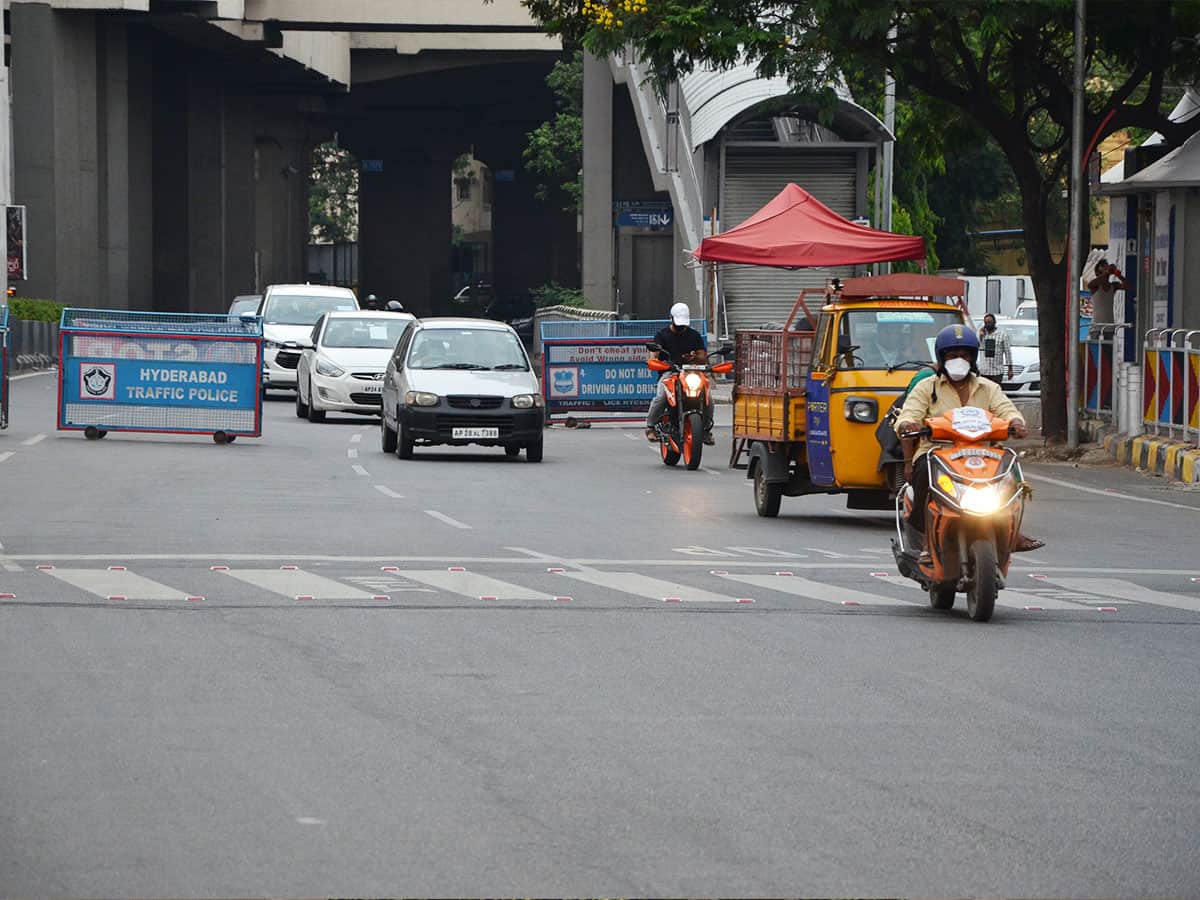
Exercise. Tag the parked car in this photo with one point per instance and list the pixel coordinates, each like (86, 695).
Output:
(472, 300)
(461, 381)
(342, 364)
(1027, 309)
(289, 312)
(1026, 357)
(244, 304)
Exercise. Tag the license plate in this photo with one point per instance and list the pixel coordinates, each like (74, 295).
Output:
(373, 389)
(469, 433)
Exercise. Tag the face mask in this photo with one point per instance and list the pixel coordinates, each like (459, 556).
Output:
(989, 326)
(958, 369)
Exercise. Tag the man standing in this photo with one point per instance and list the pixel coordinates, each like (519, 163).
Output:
(680, 344)
(1103, 286)
(995, 356)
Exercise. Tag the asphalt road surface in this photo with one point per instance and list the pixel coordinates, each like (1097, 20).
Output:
(296, 666)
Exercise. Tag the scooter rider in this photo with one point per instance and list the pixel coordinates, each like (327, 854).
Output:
(681, 345)
(957, 383)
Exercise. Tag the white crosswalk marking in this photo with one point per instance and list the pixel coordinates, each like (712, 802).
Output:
(469, 584)
(815, 590)
(644, 586)
(105, 583)
(1012, 598)
(1127, 590)
(298, 583)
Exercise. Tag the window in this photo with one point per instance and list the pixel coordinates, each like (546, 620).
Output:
(889, 337)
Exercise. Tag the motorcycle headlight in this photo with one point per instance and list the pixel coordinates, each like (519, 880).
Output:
(420, 398)
(692, 382)
(526, 401)
(328, 369)
(982, 500)
(860, 409)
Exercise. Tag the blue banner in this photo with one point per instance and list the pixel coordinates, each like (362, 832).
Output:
(609, 376)
(161, 383)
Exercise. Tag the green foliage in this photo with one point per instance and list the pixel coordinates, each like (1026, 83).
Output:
(32, 310)
(554, 294)
(555, 149)
(333, 195)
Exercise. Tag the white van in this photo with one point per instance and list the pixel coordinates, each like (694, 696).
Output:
(289, 312)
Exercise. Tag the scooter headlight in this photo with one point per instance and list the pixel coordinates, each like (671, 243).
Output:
(981, 501)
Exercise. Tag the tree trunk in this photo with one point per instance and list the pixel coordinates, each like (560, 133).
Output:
(1049, 285)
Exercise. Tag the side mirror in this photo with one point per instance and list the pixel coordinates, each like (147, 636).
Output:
(653, 347)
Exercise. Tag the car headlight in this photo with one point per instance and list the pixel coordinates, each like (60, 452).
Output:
(861, 409)
(420, 398)
(328, 369)
(982, 500)
(526, 401)
(271, 345)
(1035, 366)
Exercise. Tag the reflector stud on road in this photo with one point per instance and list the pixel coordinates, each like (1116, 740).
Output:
(784, 573)
(745, 599)
(851, 603)
(46, 568)
(564, 599)
(116, 596)
(289, 568)
(672, 599)
(8, 596)
(718, 572)
(1034, 609)
(555, 570)
(117, 569)
(1106, 609)
(1038, 577)
(879, 574)
(456, 569)
(304, 596)
(1196, 579)
(487, 597)
(389, 568)
(218, 568)
(384, 597)
(195, 599)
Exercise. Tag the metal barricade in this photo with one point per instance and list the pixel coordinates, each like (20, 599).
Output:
(600, 367)
(122, 370)
(1100, 396)
(1171, 382)
(3, 366)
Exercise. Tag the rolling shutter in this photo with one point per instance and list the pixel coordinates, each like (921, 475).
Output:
(757, 295)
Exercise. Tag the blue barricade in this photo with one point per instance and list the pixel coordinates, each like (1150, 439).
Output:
(122, 370)
(3, 366)
(600, 366)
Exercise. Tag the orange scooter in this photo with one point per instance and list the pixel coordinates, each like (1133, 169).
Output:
(680, 430)
(973, 514)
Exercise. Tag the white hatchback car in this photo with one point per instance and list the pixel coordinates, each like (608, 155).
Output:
(462, 381)
(289, 312)
(1026, 357)
(341, 367)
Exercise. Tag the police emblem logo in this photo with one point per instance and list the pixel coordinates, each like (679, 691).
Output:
(98, 382)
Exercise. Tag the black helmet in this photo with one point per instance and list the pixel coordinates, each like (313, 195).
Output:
(395, 306)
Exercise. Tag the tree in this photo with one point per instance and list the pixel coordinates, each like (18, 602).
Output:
(1003, 65)
(333, 195)
(555, 149)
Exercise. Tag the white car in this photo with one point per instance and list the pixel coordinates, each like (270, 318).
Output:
(1027, 309)
(1026, 357)
(289, 312)
(342, 364)
(462, 381)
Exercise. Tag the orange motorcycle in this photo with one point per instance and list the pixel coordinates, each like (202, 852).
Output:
(973, 514)
(681, 427)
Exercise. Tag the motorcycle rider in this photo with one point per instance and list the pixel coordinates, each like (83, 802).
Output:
(681, 344)
(957, 383)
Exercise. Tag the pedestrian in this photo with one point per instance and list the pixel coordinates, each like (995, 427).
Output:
(1104, 286)
(995, 356)
(680, 344)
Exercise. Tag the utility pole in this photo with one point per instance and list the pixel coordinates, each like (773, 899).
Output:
(6, 165)
(889, 147)
(1074, 240)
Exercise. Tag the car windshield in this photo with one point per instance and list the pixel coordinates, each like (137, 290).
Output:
(1021, 334)
(300, 309)
(243, 305)
(1027, 312)
(466, 348)
(892, 337)
(373, 333)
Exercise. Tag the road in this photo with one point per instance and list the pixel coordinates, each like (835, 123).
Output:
(299, 694)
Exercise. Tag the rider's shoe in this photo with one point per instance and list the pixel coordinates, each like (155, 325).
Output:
(651, 436)
(709, 439)
(1027, 544)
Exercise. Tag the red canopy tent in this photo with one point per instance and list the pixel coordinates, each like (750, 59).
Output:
(795, 230)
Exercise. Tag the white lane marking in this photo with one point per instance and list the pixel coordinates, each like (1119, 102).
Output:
(104, 583)
(36, 439)
(544, 557)
(442, 517)
(468, 584)
(388, 492)
(33, 374)
(645, 586)
(1111, 494)
(1127, 590)
(1014, 598)
(352, 453)
(6, 455)
(831, 554)
(298, 583)
(355, 438)
(709, 471)
(815, 590)
(359, 469)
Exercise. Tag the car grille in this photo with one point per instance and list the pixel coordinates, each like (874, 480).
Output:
(287, 359)
(445, 423)
(367, 399)
(462, 401)
(367, 376)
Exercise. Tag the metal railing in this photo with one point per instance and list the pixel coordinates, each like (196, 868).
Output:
(1171, 382)
(32, 345)
(1100, 395)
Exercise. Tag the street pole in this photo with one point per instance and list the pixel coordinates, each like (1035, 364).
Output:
(6, 197)
(1074, 239)
(889, 147)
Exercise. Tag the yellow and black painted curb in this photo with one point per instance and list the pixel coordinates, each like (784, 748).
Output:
(1160, 455)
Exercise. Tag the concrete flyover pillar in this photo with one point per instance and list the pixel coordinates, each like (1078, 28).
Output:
(597, 183)
(405, 229)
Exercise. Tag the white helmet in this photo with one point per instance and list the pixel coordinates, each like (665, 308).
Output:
(681, 315)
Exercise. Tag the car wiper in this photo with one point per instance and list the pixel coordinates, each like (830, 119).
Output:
(909, 362)
(508, 367)
(460, 366)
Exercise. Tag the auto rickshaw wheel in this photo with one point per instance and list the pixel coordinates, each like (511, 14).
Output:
(767, 495)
